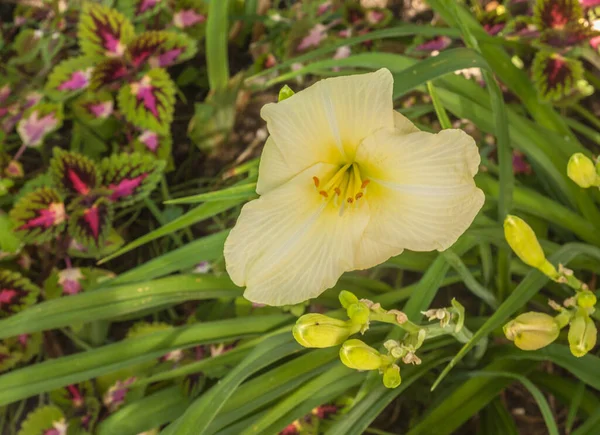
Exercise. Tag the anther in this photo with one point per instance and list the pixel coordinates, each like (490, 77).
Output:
(316, 180)
(337, 191)
(322, 192)
(350, 200)
(364, 184)
(358, 196)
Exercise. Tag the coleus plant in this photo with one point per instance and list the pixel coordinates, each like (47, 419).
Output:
(82, 197)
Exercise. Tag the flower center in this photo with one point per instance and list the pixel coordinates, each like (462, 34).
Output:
(345, 187)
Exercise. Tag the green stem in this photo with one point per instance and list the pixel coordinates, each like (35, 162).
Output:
(391, 318)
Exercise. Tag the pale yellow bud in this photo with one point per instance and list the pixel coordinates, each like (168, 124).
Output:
(318, 330)
(532, 331)
(391, 376)
(360, 356)
(582, 334)
(582, 171)
(524, 243)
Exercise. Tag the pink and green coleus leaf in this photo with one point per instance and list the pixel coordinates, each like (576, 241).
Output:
(69, 77)
(149, 103)
(47, 420)
(8, 358)
(555, 76)
(91, 220)
(139, 9)
(16, 292)
(103, 32)
(39, 216)
(154, 144)
(38, 121)
(130, 177)
(94, 108)
(160, 49)
(113, 242)
(190, 15)
(27, 345)
(73, 173)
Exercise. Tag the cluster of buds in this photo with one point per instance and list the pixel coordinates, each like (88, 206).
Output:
(583, 171)
(533, 330)
(320, 331)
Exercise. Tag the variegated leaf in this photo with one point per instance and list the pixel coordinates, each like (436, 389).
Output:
(130, 177)
(39, 216)
(190, 15)
(73, 173)
(568, 36)
(109, 72)
(8, 358)
(149, 102)
(27, 345)
(160, 49)
(38, 121)
(159, 146)
(113, 242)
(16, 292)
(556, 14)
(44, 420)
(69, 77)
(140, 9)
(555, 76)
(103, 32)
(94, 108)
(91, 220)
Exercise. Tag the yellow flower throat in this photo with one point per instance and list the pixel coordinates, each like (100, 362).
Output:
(346, 185)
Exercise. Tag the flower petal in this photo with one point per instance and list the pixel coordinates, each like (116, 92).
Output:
(327, 121)
(273, 169)
(403, 125)
(422, 195)
(290, 245)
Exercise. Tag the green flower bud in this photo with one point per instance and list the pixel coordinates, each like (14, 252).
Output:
(524, 243)
(532, 331)
(358, 313)
(285, 93)
(347, 298)
(582, 333)
(582, 171)
(391, 376)
(318, 330)
(586, 299)
(358, 355)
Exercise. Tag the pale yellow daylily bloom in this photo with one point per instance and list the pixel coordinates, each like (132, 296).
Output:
(345, 183)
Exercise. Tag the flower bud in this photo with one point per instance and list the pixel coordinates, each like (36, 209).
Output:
(358, 313)
(524, 243)
(391, 376)
(358, 355)
(582, 334)
(347, 298)
(285, 93)
(586, 299)
(532, 331)
(318, 330)
(582, 171)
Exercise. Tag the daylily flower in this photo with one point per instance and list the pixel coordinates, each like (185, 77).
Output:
(345, 184)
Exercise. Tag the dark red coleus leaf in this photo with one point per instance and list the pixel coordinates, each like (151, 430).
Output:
(16, 292)
(130, 177)
(160, 49)
(557, 14)
(39, 216)
(73, 173)
(555, 76)
(103, 32)
(108, 72)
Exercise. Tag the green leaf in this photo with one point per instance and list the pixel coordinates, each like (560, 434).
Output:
(200, 414)
(10, 244)
(217, 59)
(241, 191)
(160, 49)
(138, 10)
(39, 216)
(43, 419)
(73, 173)
(56, 373)
(149, 103)
(128, 178)
(108, 301)
(69, 77)
(103, 32)
(156, 145)
(109, 72)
